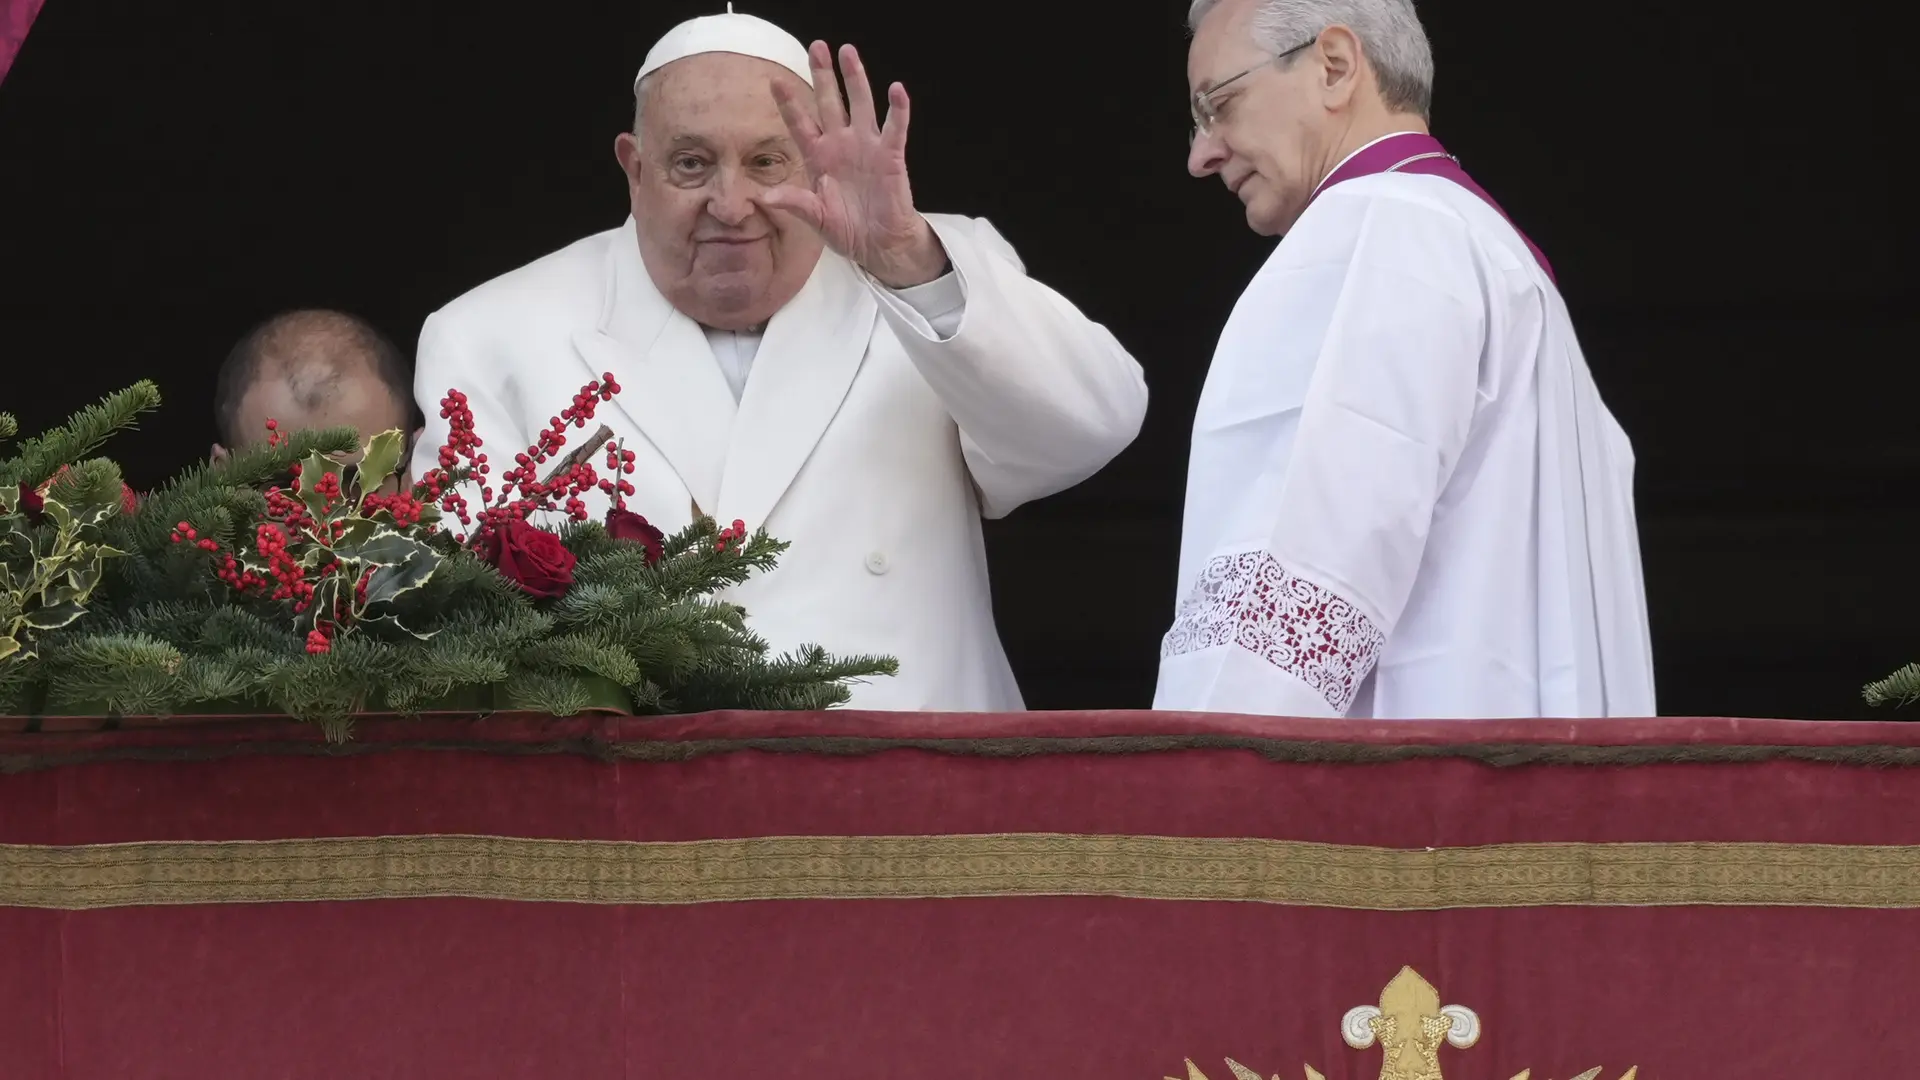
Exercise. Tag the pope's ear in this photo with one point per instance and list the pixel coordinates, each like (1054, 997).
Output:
(218, 453)
(626, 150)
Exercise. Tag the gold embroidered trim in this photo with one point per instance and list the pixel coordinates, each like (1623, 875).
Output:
(880, 867)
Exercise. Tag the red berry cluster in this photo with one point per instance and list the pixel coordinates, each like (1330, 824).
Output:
(185, 533)
(619, 460)
(320, 639)
(462, 444)
(270, 540)
(288, 509)
(521, 493)
(274, 438)
(239, 577)
(402, 507)
(732, 534)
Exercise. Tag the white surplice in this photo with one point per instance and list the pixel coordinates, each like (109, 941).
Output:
(870, 428)
(1405, 496)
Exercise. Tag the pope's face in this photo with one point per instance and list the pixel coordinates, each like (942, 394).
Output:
(711, 142)
(1267, 140)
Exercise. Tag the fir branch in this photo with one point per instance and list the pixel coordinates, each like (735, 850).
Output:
(807, 679)
(230, 677)
(92, 483)
(329, 688)
(116, 674)
(699, 569)
(578, 652)
(556, 694)
(9, 427)
(84, 432)
(231, 483)
(440, 672)
(1900, 688)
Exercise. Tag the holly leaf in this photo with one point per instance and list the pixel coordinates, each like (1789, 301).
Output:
(95, 513)
(312, 469)
(325, 595)
(58, 512)
(384, 548)
(358, 531)
(394, 620)
(380, 461)
(389, 582)
(54, 616)
(8, 646)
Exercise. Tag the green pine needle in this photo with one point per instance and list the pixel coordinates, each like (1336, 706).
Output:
(1900, 688)
(40, 457)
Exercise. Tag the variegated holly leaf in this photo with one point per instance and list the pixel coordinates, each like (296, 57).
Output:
(69, 517)
(312, 469)
(384, 548)
(389, 582)
(326, 595)
(54, 616)
(394, 621)
(380, 461)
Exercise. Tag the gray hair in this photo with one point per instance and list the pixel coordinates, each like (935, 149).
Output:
(1389, 31)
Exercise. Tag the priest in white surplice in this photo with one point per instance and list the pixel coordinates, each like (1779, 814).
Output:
(1405, 497)
(801, 349)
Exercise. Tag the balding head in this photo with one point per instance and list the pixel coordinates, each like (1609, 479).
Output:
(310, 370)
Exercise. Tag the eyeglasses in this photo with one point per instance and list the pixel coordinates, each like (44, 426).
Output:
(1204, 112)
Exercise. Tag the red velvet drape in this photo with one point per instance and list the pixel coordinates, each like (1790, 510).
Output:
(1100, 895)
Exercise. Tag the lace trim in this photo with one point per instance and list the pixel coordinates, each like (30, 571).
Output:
(1311, 633)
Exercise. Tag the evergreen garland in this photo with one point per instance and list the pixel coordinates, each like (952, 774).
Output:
(160, 629)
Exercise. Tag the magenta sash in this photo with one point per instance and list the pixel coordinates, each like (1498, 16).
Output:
(1428, 157)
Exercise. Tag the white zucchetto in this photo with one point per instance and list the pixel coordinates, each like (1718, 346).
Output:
(745, 35)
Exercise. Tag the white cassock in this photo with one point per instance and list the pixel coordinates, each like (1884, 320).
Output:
(871, 429)
(1405, 496)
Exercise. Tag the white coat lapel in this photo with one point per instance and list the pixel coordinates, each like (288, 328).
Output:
(670, 386)
(805, 364)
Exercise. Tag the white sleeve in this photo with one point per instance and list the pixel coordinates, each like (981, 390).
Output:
(1043, 396)
(940, 304)
(1289, 614)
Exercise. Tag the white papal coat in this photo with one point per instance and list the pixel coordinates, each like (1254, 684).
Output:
(870, 443)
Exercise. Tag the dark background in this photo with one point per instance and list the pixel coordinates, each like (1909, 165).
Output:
(1720, 204)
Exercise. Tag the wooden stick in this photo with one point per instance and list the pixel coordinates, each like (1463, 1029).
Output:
(581, 453)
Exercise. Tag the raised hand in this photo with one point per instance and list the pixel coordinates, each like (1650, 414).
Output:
(858, 198)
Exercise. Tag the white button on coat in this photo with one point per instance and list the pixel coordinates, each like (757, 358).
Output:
(877, 562)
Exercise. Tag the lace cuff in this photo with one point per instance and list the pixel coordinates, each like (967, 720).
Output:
(1311, 633)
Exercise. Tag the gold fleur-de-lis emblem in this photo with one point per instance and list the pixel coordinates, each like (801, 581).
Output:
(1409, 1025)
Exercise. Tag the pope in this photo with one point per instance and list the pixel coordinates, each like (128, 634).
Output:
(802, 348)
(1405, 496)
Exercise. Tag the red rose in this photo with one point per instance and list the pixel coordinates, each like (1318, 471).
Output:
(627, 525)
(532, 558)
(31, 504)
